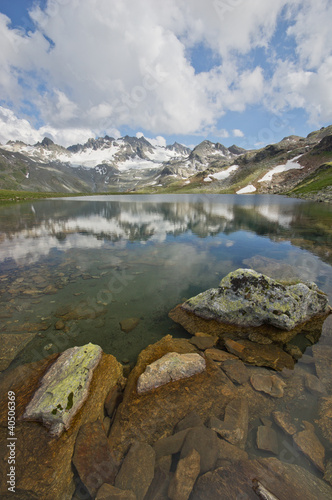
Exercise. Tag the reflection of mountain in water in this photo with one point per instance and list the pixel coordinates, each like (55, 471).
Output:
(67, 224)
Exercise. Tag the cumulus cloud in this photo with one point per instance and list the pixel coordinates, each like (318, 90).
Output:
(95, 66)
(237, 133)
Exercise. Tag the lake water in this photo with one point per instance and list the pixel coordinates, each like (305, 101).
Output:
(72, 270)
(94, 262)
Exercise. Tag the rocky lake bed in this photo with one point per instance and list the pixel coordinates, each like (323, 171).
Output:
(160, 350)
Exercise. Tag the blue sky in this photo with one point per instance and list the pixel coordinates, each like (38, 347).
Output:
(248, 72)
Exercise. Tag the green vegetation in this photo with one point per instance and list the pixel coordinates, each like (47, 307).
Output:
(318, 180)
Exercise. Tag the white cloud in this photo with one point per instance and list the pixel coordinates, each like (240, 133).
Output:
(115, 64)
(237, 133)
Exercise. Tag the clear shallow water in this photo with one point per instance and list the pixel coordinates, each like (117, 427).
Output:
(94, 262)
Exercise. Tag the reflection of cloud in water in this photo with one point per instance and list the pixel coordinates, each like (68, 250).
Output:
(273, 214)
(18, 249)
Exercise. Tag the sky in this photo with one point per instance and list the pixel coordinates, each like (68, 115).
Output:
(248, 72)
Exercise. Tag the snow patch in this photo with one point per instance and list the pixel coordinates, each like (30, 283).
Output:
(248, 189)
(223, 174)
(290, 165)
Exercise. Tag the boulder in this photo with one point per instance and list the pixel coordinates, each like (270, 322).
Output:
(270, 384)
(247, 298)
(64, 388)
(276, 479)
(137, 470)
(185, 476)
(92, 457)
(42, 457)
(153, 415)
(11, 345)
(260, 355)
(311, 447)
(172, 366)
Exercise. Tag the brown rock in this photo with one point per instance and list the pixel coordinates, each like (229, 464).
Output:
(227, 451)
(150, 416)
(283, 481)
(127, 325)
(325, 419)
(190, 420)
(92, 457)
(267, 439)
(40, 458)
(314, 385)
(218, 355)
(108, 492)
(113, 399)
(60, 325)
(311, 447)
(236, 371)
(270, 384)
(234, 428)
(260, 355)
(328, 472)
(158, 489)
(11, 345)
(185, 476)
(204, 342)
(137, 470)
(170, 445)
(259, 338)
(284, 420)
(322, 357)
(204, 441)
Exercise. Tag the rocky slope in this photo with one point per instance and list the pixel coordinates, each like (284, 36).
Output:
(296, 165)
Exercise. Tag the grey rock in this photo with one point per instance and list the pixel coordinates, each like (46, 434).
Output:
(137, 470)
(185, 476)
(64, 388)
(172, 366)
(247, 298)
(205, 442)
(267, 439)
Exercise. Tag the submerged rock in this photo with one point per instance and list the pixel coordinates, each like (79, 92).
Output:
(64, 388)
(11, 345)
(129, 324)
(270, 384)
(171, 367)
(267, 439)
(185, 476)
(311, 447)
(247, 298)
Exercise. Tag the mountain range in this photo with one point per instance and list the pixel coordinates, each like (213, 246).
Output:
(296, 165)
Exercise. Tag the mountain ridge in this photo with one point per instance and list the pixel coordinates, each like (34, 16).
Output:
(132, 164)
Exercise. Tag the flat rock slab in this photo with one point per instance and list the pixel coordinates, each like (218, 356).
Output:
(11, 345)
(322, 356)
(137, 470)
(236, 371)
(127, 325)
(267, 439)
(234, 427)
(284, 421)
(219, 355)
(153, 415)
(205, 442)
(190, 420)
(283, 481)
(92, 457)
(172, 366)
(270, 384)
(109, 492)
(311, 447)
(204, 342)
(64, 388)
(260, 355)
(185, 476)
(247, 298)
(314, 385)
(227, 451)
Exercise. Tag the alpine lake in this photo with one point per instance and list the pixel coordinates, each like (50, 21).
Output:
(108, 269)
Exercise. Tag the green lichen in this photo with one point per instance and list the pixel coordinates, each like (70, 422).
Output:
(70, 401)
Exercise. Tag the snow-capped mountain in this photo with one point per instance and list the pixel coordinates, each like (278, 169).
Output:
(295, 164)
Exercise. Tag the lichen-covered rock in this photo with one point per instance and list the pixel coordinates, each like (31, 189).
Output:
(64, 388)
(172, 366)
(247, 298)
